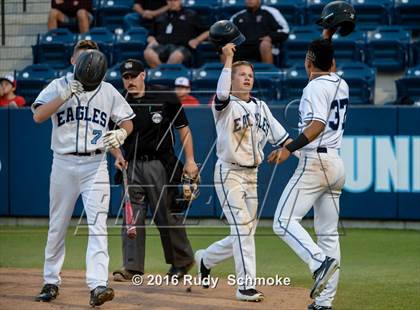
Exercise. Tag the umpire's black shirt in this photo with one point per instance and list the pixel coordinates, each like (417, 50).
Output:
(157, 112)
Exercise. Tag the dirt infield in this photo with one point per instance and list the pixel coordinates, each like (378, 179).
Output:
(19, 286)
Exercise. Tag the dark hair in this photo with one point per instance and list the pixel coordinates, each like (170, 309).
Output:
(321, 52)
(85, 45)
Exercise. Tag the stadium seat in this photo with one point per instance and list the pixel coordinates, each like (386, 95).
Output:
(32, 79)
(205, 52)
(65, 71)
(54, 48)
(130, 44)
(292, 10)
(104, 38)
(361, 81)
(415, 52)
(110, 13)
(408, 86)
(113, 76)
(204, 81)
(387, 48)
(267, 84)
(230, 7)
(373, 12)
(351, 47)
(294, 49)
(165, 74)
(205, 8)
(295, 80)
(313, 10)
(407, 14)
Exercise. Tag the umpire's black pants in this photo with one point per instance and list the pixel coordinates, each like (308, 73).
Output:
(147, 180)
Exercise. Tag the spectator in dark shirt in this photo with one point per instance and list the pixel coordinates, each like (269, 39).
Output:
(62, 11)
(145, 13)
(174, 35)
(183, 91)
(263, 27)
(7, 93)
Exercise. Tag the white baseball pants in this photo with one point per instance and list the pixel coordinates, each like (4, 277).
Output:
(236, 188)
(70, 177)
(317, 183)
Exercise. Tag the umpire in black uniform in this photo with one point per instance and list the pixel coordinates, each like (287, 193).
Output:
(152, 165)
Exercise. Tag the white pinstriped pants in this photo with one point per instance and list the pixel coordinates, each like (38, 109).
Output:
(236, 188)
(317, 183)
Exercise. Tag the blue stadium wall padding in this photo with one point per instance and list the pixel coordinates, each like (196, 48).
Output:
(4, 163)
(381, 151)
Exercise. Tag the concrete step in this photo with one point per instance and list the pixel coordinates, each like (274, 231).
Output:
(9, 65)
(20, 30)
(19, 41)
(15, 53)
(26, 18)
(41, 6)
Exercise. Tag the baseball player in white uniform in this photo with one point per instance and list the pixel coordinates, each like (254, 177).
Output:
(244, 125)
(319, 176)
(79, 124)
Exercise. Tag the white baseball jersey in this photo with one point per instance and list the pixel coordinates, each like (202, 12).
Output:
(325, 99)
(243, 129)
(80, 123)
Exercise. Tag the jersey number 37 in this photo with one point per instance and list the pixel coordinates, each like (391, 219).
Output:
(339, 108)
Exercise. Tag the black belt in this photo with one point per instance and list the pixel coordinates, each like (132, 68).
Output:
(147, 157)
(248, 167)
(322, 150)
(96, 152)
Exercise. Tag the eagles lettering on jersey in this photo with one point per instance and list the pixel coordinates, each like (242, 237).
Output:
(82, 113)
(244, 122)
(243, 129)
(81, 122)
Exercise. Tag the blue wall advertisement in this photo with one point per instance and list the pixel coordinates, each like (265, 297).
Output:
(380, 149)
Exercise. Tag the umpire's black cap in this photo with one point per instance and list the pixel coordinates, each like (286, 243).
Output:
(131, 66)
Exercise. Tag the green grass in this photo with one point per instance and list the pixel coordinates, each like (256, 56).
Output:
(380, 268)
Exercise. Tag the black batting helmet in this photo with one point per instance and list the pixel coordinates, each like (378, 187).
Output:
(338, 14)
(90, 70)
(224, 32)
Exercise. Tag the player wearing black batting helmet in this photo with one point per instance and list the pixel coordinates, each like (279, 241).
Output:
(90, 69)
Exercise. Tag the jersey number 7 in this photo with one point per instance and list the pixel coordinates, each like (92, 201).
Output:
(340, 109)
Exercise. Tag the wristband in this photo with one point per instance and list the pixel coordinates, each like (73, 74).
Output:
(298, 143)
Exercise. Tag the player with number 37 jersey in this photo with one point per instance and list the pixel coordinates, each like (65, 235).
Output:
(319, 177)
(329, 88)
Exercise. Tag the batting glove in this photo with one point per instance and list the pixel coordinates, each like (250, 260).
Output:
(115, 138)
(73, 88)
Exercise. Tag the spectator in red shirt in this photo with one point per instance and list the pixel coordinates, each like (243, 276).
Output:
(183, 90)
(145, 13)
(62, 11)
(7, 93)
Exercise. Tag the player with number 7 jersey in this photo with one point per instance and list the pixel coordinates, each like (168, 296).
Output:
(80, 118)
(319, 177)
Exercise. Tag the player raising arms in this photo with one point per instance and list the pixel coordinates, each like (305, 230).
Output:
(80, 115)
(319, 176)
(244, 125)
